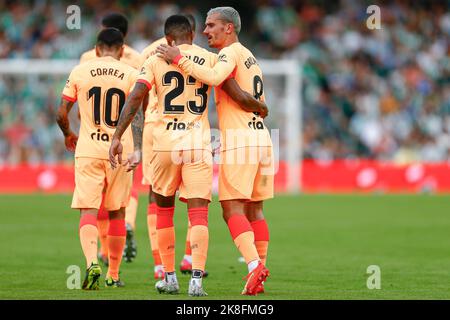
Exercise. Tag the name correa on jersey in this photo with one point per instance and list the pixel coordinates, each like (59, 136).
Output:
(107, 72)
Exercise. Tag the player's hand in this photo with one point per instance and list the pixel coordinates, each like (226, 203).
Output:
(168, 53)
(133, 160)
(115, 149)
(71, 141)
(263, 110)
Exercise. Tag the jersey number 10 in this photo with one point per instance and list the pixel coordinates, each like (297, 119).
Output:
(107, 105)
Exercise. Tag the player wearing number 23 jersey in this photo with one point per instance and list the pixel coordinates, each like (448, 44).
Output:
(182, 125)
(246, 168)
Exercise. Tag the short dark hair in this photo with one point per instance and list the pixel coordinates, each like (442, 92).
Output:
(116, 20)
(191, 19)
(110, 37)
(177, 26)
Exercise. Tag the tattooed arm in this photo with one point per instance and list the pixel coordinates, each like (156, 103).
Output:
(137, 128)
(130, 109)
(62, 118)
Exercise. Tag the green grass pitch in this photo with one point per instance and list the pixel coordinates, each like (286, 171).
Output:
(321, 246)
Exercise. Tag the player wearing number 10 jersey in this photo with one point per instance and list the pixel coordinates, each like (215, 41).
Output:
(100, 86)
(132, 58)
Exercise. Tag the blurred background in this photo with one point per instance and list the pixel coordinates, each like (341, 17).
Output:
(373, 107)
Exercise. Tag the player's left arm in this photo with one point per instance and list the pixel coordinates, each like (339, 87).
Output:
(244, 99)
(62, 118)
(69, 96)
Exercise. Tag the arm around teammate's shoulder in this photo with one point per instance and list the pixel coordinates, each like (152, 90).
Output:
(211, 76)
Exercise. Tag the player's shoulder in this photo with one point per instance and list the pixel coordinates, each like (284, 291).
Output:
(155, 65)
(123, 65)
(81, 67)
(229, 52)
(87, 55)
(130, 51)
(202, 50)
(244, 55)
(240, 49)
(152, 60)
(209, 56)
(150, 50)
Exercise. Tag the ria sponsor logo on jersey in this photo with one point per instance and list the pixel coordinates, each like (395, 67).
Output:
(179, 125)
(257, 125)
(99, 136)
(107, 72)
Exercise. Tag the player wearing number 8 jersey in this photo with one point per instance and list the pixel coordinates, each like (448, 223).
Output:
(100, 86)
(246, 169)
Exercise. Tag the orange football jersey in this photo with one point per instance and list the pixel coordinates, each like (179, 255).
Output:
(100, 86)
(239, 128)
(151, 112)
(182, 102)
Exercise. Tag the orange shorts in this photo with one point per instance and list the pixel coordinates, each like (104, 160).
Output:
(147, 154)
(190, 171)
(91, 176)
(246, 173)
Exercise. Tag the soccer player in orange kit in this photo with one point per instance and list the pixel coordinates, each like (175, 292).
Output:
(132, 58)
(242, 186)
(147, 153)
(182, 151)
(100, 86)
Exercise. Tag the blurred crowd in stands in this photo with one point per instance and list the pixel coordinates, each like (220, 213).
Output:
(378, 94)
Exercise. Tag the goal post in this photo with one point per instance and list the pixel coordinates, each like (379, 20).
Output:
(282, 87)
(291, 106)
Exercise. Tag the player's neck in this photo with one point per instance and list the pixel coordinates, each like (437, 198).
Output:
(110, 54)
(180, 42)
(229, 41)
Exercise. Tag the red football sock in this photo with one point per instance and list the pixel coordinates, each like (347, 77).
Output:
(243, 237)
(261, 232)
(166, 237)
(103, 226)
